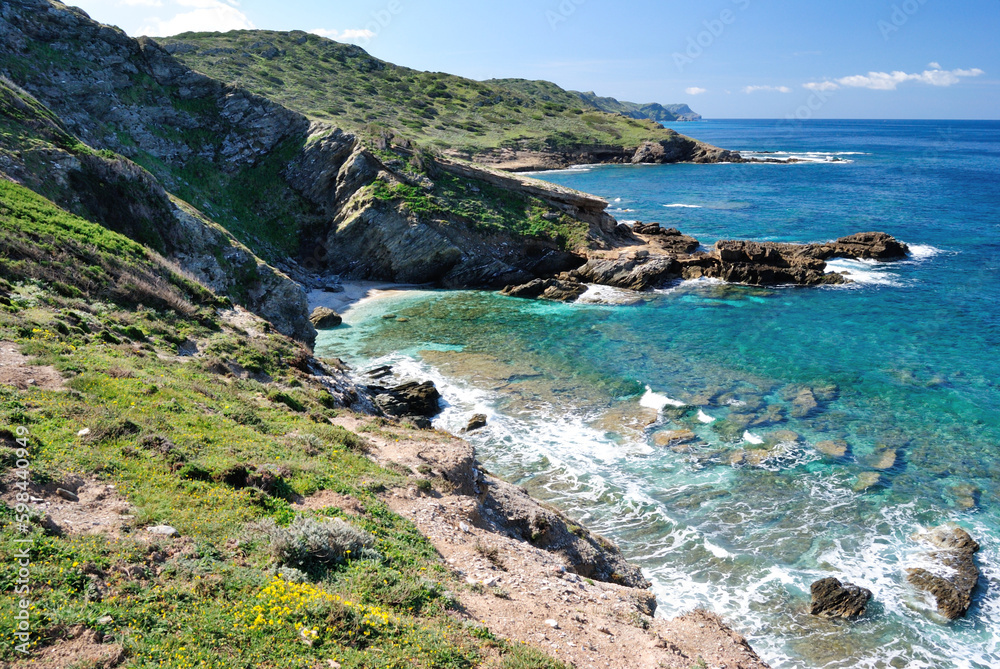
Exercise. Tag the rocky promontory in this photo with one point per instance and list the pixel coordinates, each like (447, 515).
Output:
(661, 255)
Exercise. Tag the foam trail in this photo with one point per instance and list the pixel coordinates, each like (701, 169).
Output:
(864, 272)
(704, 417)
(683, 206)
(752, 438)
(657, 401)
(923, 251)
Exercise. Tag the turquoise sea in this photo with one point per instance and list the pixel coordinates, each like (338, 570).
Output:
(903, 365)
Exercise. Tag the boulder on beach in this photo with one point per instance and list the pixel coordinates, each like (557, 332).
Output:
(950, 573)
(323, 317)
(833, 599)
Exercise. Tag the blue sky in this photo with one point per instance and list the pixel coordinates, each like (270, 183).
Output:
(726, 58)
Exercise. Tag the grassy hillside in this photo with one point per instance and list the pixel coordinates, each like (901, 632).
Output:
(216, 444)
(346, 86)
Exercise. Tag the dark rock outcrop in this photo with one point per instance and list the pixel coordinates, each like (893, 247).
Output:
(322, 317)
(546, 289)
(864, 245)
(509, 509)
(955, 575)
(833, 599)
(416, 401)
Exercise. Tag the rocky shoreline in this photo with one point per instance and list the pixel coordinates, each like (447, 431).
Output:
(533, 575)
(662, 255)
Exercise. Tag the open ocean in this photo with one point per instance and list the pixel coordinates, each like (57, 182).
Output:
(904, 366)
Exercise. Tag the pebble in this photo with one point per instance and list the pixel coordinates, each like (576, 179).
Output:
(84, 432)
(105, 620)
(552, 623)
(67, 495)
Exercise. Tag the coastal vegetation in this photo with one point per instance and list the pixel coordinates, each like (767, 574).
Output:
(343, 84)
(218, 446)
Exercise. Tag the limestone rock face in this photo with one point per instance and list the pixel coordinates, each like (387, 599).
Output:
(953, 576)
(833, 599)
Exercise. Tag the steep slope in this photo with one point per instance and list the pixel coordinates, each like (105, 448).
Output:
(512, 123)
(38, 151)
(368, 205)
(653, 110)
(217, 147)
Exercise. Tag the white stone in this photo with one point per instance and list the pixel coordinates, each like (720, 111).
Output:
(164, 530)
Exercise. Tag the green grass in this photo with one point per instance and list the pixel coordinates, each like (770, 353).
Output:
(346, 86)
(177, 437)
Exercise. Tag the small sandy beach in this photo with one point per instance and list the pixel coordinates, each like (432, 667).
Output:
(355, 293)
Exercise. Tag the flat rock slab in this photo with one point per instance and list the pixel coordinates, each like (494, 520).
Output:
(833, 599)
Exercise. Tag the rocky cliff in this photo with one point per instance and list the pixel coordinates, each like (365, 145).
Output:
(73, 84)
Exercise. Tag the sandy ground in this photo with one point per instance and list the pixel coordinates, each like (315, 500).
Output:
(16, 371)
(357, 292)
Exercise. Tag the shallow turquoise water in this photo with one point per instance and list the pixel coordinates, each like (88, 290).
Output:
(904, 361)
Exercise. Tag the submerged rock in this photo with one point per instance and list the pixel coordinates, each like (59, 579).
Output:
(833, 599)
(322, 317)
(833, 448)
(953, 574)
(674, 437)
(866, 480)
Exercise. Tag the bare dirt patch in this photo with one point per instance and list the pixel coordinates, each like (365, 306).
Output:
(16, 371)
(79, 647)
(98, 509)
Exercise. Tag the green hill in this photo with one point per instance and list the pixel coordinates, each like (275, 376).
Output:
(343, 84)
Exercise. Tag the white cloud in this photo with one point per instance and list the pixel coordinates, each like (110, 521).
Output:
(694, 90)
(934, 65)
(206, 15)
(768, 89)
(140, 3)
(821, 86)
(355, 35)
(888, 81)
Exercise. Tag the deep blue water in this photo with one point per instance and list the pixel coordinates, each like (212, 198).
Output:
(903, 364)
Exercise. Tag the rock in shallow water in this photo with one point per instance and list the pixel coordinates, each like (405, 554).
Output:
(833, 599)
(477, 422)
(323, 317)
(953, 576)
